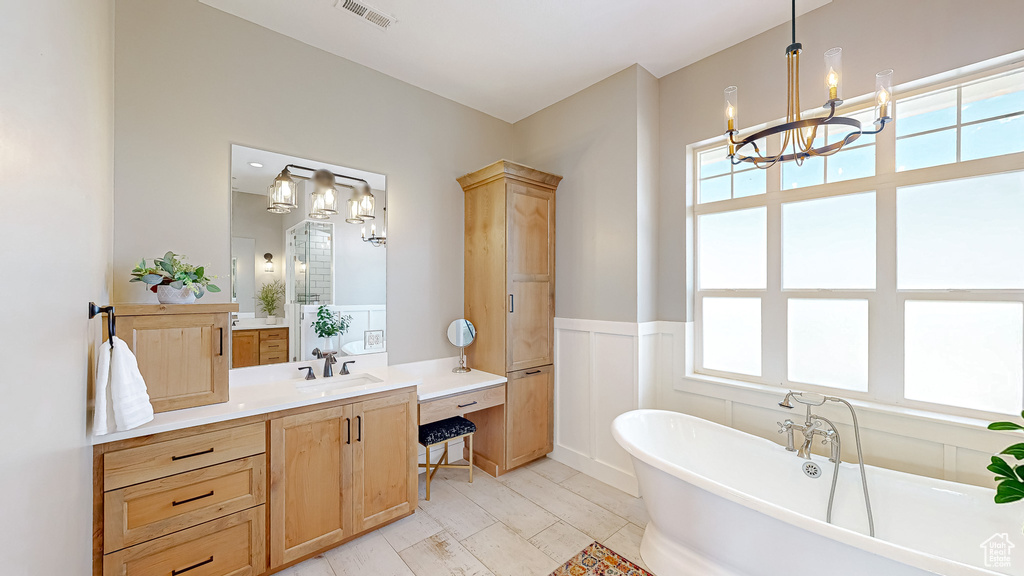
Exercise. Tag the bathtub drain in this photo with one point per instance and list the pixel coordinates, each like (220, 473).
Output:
(812, 469)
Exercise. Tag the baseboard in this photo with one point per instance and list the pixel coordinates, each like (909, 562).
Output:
(610, 475)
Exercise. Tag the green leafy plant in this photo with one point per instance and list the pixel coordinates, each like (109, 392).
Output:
(173, 271)
(269, 296)
(329, 324)
(1010, 478)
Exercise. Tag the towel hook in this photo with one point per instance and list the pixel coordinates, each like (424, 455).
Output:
(109, 310)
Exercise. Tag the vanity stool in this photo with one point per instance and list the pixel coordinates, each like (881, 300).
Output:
(444, 431)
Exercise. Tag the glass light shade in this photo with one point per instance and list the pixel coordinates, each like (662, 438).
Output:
(731, 107)
(268, 266)
(283, 192)
(834, 73)
(353, 212)
(271, 206)
(883, 94)
(324, 199)
(366, 203)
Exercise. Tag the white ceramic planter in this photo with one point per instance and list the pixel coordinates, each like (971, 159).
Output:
(167, 295)
(271, 319)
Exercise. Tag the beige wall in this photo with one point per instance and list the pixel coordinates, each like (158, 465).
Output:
(916, 38)
(191, 80)
(55, 163)
(648, 130)
(590, 139)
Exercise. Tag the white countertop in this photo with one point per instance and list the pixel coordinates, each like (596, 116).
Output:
(264, 389)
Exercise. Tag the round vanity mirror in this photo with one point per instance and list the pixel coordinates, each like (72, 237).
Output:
(461, 333)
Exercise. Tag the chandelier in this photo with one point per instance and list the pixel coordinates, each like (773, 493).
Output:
(799, 133)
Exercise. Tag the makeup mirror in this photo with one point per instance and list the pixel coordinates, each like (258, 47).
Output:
(461, 333)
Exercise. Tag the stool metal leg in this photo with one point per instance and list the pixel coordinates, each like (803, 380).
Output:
(428, 473)
(470, 458)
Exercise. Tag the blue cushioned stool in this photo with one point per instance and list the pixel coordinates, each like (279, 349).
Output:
(444, 431)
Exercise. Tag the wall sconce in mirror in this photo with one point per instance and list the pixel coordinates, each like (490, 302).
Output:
(373, 238)
(268, 266)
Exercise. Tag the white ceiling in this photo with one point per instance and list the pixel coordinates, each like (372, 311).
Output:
(511, 58)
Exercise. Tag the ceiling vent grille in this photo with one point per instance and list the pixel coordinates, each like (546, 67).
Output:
(367, 13)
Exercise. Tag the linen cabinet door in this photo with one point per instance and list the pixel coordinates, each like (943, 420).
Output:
(310, 489)
(529, 409)
(530, 276)
(384, 454)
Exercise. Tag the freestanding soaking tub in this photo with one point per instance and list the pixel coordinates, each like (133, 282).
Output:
(726, 503)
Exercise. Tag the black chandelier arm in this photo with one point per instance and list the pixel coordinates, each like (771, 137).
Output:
(335, 173)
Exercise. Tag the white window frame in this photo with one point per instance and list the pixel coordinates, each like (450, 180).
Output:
(886, 303)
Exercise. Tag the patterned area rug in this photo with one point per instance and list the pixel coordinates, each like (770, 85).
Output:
(598, 560)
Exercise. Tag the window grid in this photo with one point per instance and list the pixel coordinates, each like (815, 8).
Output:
(886, 303)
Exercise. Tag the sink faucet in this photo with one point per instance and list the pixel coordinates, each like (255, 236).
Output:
(344, 367)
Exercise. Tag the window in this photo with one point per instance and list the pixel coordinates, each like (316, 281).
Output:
(895, 277)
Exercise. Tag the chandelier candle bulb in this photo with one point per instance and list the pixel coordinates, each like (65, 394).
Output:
(883, 93)
(731, 101)
(833, 72)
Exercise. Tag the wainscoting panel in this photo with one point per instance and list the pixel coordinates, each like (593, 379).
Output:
(572, 390)
(615, 389)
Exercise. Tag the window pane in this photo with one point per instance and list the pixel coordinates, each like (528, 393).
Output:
(992, 138)
(750, 183)
(849, 164)
(926, 150)
(733, 249)
(715, 189)
(995, 97)
(829, 243)
(731, 335)
(828, 343)
(927, 112)
(962, 234)
(811, 173)
(713, 162)
(965, 354)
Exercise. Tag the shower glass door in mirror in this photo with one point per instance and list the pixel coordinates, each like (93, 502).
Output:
(305, 234)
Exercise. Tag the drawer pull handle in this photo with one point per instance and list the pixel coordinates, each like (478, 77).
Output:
(533, 372)
(348, 424)
(192, 567)
(207, 451)
(221, 330)
(193, 499)
(273, 345)
(470, 404)
(359, 431)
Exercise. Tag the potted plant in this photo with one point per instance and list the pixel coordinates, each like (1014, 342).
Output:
(1009, 477)
(269, 298)
(173, 280)
(328, 325)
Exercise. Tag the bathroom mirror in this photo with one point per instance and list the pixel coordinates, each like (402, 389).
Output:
(310, 234)
(461, 333)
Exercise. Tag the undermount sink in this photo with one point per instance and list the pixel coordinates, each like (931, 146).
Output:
(336, 382)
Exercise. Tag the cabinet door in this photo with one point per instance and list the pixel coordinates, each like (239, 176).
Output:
(529, 410)
(531, 277)
(182, 357)
(384, 449)
(245, 348)
(310, 474)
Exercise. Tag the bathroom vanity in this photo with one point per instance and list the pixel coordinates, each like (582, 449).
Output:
(258, 346)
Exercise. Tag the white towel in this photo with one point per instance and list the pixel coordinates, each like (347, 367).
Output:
(122, 402)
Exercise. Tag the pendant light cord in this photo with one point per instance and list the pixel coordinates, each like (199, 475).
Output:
(794, 21)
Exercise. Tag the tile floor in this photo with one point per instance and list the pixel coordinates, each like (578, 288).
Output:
(526, 523)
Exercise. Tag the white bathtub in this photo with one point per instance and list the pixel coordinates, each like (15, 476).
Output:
(725, 503)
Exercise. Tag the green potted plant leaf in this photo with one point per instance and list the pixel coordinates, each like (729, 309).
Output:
(1009, 478)
(173, 280)
(328, 325)
(269, 299)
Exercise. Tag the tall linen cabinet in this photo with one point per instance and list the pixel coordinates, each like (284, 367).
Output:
(510, 298)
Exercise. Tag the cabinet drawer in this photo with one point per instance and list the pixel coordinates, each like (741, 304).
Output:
(275, 334)
(273, 357)
(145, 511)
(273, 346)
(229, 546)
(135, 465)
(442, 408)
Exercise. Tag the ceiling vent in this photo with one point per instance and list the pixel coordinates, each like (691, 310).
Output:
(367, 13)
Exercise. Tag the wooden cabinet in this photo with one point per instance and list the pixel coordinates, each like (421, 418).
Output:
(510, 298)
(259, 346)
(181, 350)
(337, 472)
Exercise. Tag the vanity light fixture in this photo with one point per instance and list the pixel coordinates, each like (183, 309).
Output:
(799, 133)
(282, 194)
(324, 199)
(268, 266)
